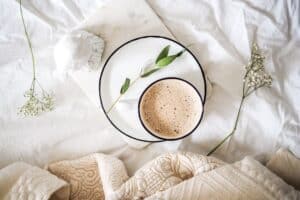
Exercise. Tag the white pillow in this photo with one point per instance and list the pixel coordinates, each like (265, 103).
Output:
(287, 166)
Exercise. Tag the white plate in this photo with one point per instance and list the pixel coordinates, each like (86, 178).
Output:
(127, 61)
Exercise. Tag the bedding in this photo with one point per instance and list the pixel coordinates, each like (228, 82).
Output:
(23, 181)
(222, 31)
(286, 165)
(182, 175)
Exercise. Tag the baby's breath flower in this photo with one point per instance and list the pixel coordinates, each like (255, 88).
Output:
(255, 77)
(36, 104)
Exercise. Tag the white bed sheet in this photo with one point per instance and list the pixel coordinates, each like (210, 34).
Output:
(223, 32)
(72, 129)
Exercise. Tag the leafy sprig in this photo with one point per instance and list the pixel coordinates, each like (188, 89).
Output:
(163, 59)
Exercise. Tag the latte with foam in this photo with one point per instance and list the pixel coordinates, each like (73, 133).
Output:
(170, 108)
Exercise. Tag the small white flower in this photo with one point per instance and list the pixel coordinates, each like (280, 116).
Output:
(256, 76)
(36, 104)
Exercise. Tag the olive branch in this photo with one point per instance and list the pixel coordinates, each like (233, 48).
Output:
(162, 60)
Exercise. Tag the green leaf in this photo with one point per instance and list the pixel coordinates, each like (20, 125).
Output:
(162, 62)
(125, 86)
(162, 54)
(169, 59)
(148, 73)
(166, 61)
(180, 52)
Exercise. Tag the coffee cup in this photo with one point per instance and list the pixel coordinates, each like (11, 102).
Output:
(170, 108)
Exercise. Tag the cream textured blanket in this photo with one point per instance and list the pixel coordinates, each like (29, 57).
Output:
(169, 176)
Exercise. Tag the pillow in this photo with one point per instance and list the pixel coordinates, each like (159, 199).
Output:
(287, 166)
(29, 182)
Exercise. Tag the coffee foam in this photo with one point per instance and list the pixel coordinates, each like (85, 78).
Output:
(170, 108)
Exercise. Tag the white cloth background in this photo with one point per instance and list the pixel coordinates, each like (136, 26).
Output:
(223, 32)
(73, 128)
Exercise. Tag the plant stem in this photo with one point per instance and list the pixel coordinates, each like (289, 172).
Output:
(251, 91)
(114, 103)
(119, 97)
(29, 44)
(234, 127)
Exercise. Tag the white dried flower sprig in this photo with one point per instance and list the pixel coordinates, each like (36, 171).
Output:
(254, 78)
(256, 75)
(37, 102)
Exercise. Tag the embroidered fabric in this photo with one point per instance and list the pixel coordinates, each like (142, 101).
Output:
(82, 175)
(164, 172)
(246, 179)
(176, 176)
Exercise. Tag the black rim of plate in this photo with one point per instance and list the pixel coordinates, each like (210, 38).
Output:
(102, 72)
(170, 78)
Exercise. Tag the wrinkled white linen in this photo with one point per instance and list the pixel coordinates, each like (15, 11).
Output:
(74, 127)
(223, 32)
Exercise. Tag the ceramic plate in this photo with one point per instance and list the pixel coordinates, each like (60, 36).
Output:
(127, 61)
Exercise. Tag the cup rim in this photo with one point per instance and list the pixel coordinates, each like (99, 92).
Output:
(159, 80)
